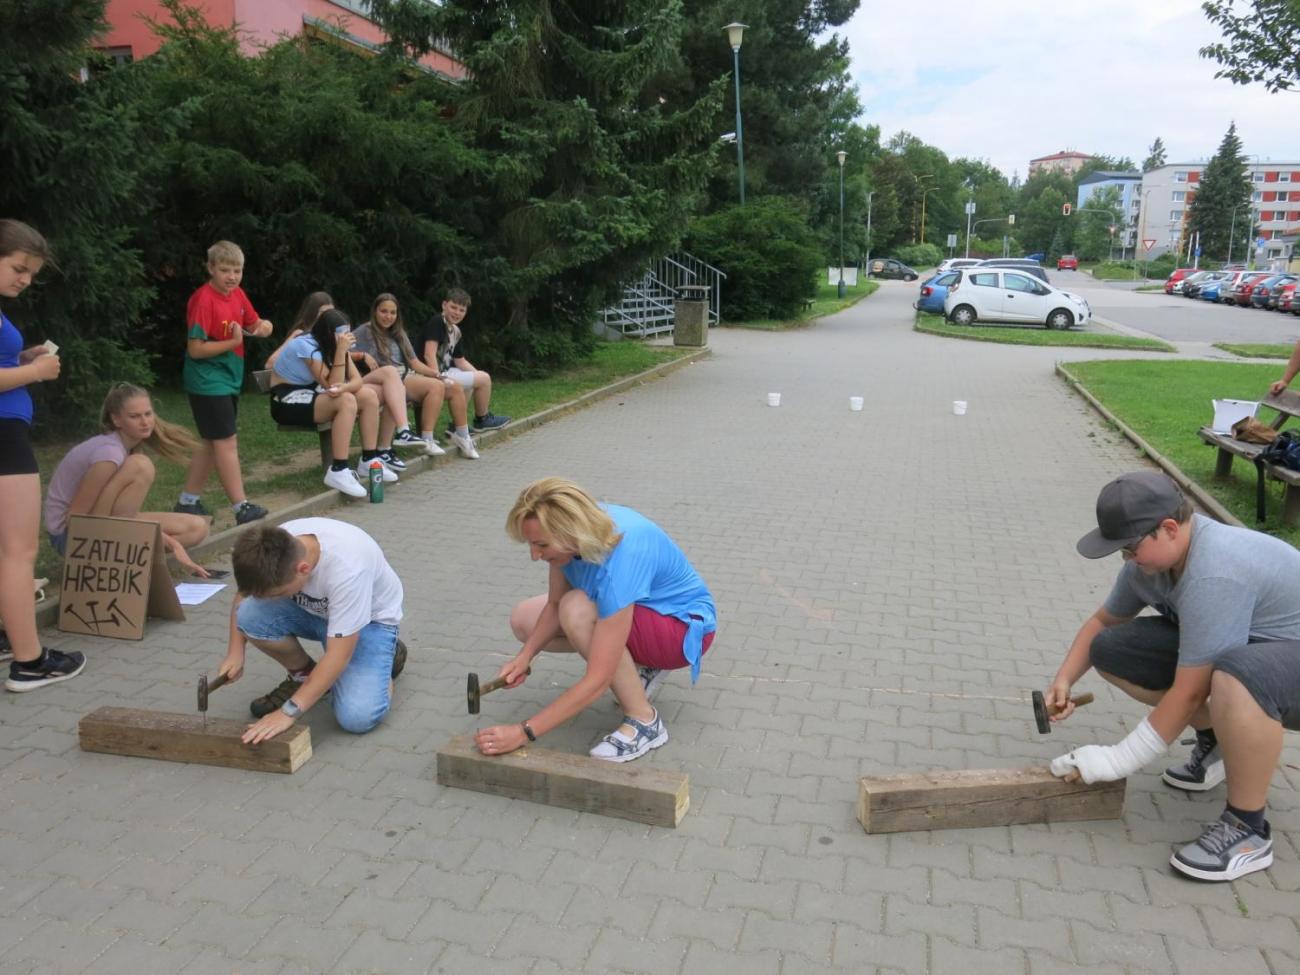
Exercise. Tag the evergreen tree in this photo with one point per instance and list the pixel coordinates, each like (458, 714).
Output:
(71, 155)
(1225, 187)
(1093, 237)
(1155, 156)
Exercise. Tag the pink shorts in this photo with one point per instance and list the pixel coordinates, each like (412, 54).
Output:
(656, 640)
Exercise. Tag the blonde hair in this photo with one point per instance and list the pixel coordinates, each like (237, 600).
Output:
(168, 439)
(567, 514)
(224, 252)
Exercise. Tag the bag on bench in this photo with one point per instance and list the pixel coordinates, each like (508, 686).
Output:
(1250, 430)
(1283, 451)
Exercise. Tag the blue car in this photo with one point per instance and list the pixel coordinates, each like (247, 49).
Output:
(1212, 290)
(934, 291)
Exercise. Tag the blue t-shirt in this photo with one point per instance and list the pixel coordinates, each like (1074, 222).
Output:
(291, 363)
(16, 403)
(647, 568)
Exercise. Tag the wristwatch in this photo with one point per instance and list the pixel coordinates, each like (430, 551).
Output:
(291, 709)
(528, 731)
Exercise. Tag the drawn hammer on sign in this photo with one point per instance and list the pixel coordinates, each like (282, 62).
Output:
(474, 693)
(1040, 709)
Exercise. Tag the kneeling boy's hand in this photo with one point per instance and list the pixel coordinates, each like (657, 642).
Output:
(266, 729)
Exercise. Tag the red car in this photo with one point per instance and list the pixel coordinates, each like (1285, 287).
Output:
(1285, 297)
(1241, 293)
(1067, 262)
(1178, 274)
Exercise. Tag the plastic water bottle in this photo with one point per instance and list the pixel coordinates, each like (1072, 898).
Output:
(376, 479)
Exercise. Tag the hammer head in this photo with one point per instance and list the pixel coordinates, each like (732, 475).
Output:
(472, 695)
(1040, 714)
(203, 693)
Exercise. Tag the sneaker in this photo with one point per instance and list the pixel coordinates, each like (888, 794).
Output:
(1228, 849)
(264, 705)
(363, 470)
(399, 659)
(344, 481)
(465, 445)
(490, 421)
(6, 651)
(405, 438)
(1203, 770)
(192, 509)
(617, 747)
(433, 449)
(392, 461)
(54, 666)
(249, 512)
(652, 678)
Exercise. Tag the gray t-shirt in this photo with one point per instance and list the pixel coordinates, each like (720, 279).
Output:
(1238, 586)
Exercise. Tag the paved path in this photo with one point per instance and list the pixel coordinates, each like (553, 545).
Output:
(891, 585)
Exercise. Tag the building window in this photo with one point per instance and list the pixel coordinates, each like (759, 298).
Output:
(1179, 196)
(1257, 176)
(1175, 215)
(1180, 177)
(1284, 177)
(1257, 197)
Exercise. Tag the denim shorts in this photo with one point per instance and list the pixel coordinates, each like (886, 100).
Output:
(361, 694)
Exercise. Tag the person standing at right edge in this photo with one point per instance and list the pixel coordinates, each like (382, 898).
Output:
(23, 251)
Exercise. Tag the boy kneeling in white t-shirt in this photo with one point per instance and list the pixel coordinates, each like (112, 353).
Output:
(327, 581)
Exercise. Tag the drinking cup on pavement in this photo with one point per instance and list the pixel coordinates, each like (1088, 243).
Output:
(855, 404)
(959, 407)
(773, 399)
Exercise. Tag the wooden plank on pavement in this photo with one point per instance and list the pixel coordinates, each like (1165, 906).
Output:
(642, 794)
(185, 738)
(981, 797)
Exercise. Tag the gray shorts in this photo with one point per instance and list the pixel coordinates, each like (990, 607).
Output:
(1144, 652)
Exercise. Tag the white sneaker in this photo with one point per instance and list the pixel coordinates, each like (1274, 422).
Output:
(465, 444)
(617, 747)
(363, 471)
(405, 438)
(344, 481)
(432, 448)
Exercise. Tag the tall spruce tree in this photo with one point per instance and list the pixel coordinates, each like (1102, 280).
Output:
(71, 158)
(1225, 187)
(1155, 156)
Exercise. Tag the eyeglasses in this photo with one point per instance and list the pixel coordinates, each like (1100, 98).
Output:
(1131, 551)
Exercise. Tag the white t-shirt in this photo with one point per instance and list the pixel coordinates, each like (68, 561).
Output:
(352, 584)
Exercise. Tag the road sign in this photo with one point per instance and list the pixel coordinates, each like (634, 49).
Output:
(970, 207)
(952, 240)
(1198, 252)
(1148, 243)
(1260, 242)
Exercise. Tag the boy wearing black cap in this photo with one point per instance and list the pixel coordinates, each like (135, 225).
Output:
(1223, 655)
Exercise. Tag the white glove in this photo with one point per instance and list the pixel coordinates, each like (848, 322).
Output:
(1106, 763)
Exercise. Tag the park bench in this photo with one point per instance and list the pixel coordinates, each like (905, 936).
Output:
(1287, 405)
(262, 377)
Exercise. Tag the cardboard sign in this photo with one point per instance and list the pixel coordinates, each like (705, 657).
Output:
(114, 576)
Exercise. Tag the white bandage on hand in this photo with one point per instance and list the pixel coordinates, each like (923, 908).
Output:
(1106, 763)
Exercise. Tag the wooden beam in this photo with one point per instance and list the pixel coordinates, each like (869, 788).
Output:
(981, 797)
(185, 738)
(644, 795)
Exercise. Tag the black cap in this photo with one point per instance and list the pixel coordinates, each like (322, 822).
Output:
(1129, 507)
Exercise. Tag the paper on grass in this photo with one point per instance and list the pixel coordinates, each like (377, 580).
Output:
(194, 593)
(1229, 411)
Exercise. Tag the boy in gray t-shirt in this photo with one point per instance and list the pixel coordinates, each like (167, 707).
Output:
(1223, 652)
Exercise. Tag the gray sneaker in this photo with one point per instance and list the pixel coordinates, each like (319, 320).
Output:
(1202, 771)
(1228, 849)
(617, 747)
(652, 678)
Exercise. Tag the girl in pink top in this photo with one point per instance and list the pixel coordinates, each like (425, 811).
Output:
(109, 475)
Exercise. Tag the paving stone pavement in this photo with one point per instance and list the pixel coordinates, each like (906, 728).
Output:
(891, 584)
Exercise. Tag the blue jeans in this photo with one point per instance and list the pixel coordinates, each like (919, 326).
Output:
(361, 693)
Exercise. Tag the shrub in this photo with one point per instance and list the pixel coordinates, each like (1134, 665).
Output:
(767, 250)
(920, 255)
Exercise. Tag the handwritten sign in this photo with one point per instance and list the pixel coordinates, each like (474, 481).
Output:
(113, 577)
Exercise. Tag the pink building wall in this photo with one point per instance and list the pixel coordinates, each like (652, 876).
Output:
(263, 22)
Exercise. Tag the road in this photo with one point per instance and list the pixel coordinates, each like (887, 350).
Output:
(1174, 318)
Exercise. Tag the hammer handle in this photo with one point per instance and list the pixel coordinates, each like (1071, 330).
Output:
(1086, 697)
(498, 683)
(221, 680)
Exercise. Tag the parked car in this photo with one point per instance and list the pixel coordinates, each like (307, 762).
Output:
(1263, 290)
(1242, 292)
(1215, 289)
(1067, 262)
(1286, 299)
(996, 294)
(1037, 257)
(952, 263)
(934, 291)
(1174, 283)
(1193, 285)
(1029, 267)
(1275, 293)
(888, 267)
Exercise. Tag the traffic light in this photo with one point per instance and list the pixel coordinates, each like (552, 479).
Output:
(1065, 209)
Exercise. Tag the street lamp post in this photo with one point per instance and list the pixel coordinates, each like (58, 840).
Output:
(841, 156)
(869, 196)
(735, 33)
(918, 186)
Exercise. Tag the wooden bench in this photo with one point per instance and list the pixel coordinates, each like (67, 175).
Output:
(1287, 405)
(262, 377)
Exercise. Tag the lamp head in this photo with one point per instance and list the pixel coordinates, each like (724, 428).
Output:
(841, 155)
(735, 33)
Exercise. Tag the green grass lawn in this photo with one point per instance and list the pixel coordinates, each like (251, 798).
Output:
(281, 467)
(1255, 351)
(827, 302)
(1018, 335)
(1167, 402)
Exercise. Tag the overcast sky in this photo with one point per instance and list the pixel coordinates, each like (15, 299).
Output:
(1009, 80)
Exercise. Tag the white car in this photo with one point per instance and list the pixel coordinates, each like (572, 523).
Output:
(956, 263)
(1007, 295)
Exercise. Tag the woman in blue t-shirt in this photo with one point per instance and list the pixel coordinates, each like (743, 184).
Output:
(23, 252)
(621, 594)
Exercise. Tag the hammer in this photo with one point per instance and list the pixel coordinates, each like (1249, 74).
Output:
(1040, 709)
(207, 686)
(474, 693)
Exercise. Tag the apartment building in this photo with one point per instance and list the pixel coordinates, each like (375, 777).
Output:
(1068, 162)
(1128, 184)
(261, 23)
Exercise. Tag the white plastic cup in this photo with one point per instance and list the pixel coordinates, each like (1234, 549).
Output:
(959, 407)
(773, 399)
(855, 404)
